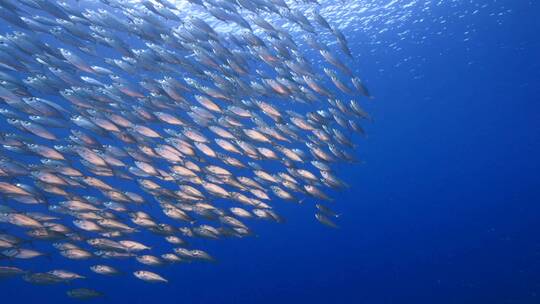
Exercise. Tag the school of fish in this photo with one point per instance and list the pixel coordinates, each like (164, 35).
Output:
(211, 126)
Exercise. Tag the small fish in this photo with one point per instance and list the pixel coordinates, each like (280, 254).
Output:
(84, 294)
(42, 278)
(323, 219)
(104, 270)
(65, 275)
(150, 277)
(9, 271)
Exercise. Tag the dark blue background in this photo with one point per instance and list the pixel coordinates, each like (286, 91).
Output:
(445, 207)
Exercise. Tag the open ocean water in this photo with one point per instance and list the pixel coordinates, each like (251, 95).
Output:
(442, 208)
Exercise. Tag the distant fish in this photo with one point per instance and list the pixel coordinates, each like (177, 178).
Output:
(325, 220)
(104, 270)
(8, 271)
(150, 277)
(83, 294)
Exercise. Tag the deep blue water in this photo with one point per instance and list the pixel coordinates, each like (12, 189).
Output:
(444, 208)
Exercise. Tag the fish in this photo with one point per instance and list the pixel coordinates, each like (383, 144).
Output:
(179, 131)
(22, 253)
(10, 271)
(134, 246)
(42, 278)
(149, 277)
(83, 294)
(65, 275)
(104, 270)
(149, 260)
(325, 220)
(76, 254)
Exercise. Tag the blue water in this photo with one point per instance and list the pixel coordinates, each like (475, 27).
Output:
(443, 209)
